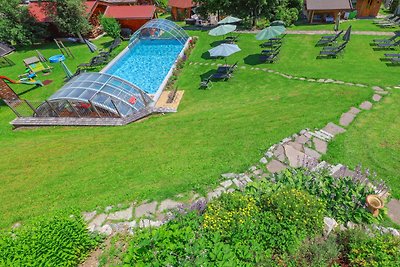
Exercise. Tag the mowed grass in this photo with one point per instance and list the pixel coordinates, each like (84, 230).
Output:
(357, 25)
(374, 141)
(359, 63)
(225, 129)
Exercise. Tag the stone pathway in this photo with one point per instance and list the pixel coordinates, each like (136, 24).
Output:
(320, 32)
(303, 149)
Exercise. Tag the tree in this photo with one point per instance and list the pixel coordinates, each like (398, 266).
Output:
(69, 16)
(110, 26)
(17, 25)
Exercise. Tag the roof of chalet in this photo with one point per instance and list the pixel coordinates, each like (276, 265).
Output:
(181, 3)
(130, 12)
(328, 5)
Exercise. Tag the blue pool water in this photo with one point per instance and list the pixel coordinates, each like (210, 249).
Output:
(147, 63)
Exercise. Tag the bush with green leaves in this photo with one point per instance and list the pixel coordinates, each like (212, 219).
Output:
(370, 248)
(238, 229)
(61, 240)
(111, 26)
(345, 197)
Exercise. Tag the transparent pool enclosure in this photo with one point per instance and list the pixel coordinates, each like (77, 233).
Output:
(102, 95)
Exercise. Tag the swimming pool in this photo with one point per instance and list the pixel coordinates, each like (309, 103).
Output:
(147, 63)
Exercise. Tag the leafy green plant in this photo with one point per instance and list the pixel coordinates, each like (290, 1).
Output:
(111, 26)
(344, 197)
(61, 240)
(370, 249)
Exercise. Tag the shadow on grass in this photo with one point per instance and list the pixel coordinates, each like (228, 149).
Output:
(28, 90)
(252, 60)
(207, 74)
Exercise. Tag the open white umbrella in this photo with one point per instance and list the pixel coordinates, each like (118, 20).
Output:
(222, 30)
(270, 32)
(229, 20)
(224, 50)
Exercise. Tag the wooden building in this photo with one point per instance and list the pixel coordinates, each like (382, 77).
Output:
(368, 8)
(130, 14)
(181, 9)
(326, 10)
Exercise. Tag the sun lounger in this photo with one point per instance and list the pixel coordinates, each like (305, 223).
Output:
(387, 20)
(94, 62)
(395, 60)
(232, 39)
(271, 51)
(5, 49)
(227, 69)
(271, 44)
(329, 37)
(35, 65)
(331, 53)
(333, 48)
(271, 58)
(392, 55)
(388, 45)
(387, 40)
(206, 83)
(327, 41)
(221, 76)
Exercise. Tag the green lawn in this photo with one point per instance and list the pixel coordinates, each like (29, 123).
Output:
(357, 25)
(359, 63)
(373, 140)
(225, 129)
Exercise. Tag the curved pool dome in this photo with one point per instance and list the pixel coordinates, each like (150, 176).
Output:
(160, 29)
(93, 94)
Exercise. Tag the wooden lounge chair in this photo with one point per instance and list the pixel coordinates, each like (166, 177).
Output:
(35, 65)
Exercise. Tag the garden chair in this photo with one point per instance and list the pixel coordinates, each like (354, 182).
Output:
(227, 69)
(232, 39)
(392, 55)
(395, 60)
(388, 19)
(271, 43)
(330, 37)
(94, 62)
(328, 41)
(206, 83)
(331, 53)
(221, 76)
(270, 51)
(333, 48)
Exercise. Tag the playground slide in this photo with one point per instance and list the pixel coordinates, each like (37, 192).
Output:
(23, 81)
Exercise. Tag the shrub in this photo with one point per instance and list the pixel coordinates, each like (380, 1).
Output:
(370, 249)
(300, 208)
(111, 26)
(61, 240)
(344, 197)
(317, 252)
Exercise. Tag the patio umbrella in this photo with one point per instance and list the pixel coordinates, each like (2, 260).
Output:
(222, 30)
(277, 23)
(224, 50)
(228, 20)
(270, 32)
(92, 46)
(68, 73)
(346, 36)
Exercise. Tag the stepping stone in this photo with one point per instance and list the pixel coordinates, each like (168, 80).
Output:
(366, 105)
(87, 216)
(279, 153)
(297, 146)
(329, 81)
(354, 110)
(97, 222)
(226, 183)
(146, 209)
(333, 129)
(361, 85)
(147, 223)
(228, 175)
(376, 97)
(238, 183)
(263, 160)
(321, 80)
(275, 166)
(302, 139)
(346, 119)
(121, 215)
(339, 82)
(377, 88)
(302, 79)
(320, 145)
(295, 157)
(168, 204)
(311, 80)
(312, 153)
(394, 210)
(350, 84)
